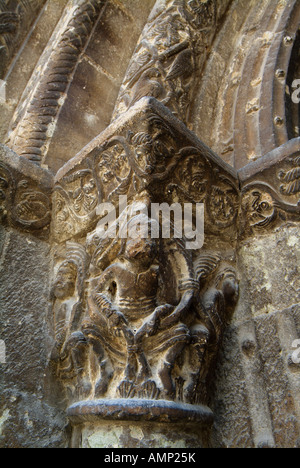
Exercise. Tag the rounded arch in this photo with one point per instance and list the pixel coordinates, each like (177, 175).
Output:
(242, 107)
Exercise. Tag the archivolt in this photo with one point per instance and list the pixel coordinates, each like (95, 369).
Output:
(32, 131)
(243, 106)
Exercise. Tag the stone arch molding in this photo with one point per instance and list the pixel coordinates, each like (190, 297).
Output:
(173, 63)
(245, 94)
(170, 55)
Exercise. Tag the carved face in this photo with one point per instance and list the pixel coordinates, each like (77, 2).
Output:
(193, 173)
(140, 250)
(263, 209)
(230, 289)
(64, 285)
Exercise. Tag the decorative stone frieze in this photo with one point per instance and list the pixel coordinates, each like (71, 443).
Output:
(145, 154)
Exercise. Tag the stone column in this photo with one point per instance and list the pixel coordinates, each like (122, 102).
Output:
(141, 297)
(28, 397)
(269, 311)
(139, 423)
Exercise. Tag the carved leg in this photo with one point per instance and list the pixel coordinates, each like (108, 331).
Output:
(106, 373)
(165, 373)
(131, 365)
(145, 372)
(78, 346)
(199, 342)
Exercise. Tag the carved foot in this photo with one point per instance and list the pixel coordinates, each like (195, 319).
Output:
(104, 381)
(149, 390)
(126, 389)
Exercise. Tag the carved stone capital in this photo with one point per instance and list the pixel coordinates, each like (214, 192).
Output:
(25, 194)
(139, 318)
(271, 189)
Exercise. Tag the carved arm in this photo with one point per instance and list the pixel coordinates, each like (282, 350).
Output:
(180, 310)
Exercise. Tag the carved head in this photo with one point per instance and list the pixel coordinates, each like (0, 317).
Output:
(227, 282)
(64, 285)
(140, 247)
(263, 209)
(193, 172)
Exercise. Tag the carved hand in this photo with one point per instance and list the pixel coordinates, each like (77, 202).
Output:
(151, 326)
(179, 311)
(116, 322)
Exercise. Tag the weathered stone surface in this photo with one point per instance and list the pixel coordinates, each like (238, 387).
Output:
(137, 435)
(243, 106)
(271, 262)
(28, 419)
(257, 382)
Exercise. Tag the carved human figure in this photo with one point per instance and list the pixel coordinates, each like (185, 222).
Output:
(70, 346)
(219, 295)
(126, 319)
(170, 55)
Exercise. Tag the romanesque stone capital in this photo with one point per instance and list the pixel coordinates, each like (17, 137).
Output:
(138, 313)
(25, 194)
